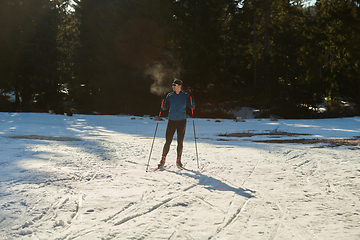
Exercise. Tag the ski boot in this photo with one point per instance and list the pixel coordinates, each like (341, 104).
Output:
(162, 162)
(178, 163)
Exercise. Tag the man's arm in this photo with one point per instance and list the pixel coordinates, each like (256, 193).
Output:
(166, 104)
(191, 102)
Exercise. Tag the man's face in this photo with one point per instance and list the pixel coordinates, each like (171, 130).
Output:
(176, 87)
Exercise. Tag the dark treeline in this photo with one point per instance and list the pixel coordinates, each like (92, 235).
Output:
(119, 56)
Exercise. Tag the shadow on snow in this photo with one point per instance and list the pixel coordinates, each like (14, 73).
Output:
(213, 184)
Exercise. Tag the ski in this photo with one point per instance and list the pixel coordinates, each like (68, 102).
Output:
(157, 168)
(166, 167)
(184, 168)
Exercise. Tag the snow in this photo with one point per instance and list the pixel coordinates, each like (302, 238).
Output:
(83, 177)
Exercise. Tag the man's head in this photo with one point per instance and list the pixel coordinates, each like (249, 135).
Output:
(176, 85)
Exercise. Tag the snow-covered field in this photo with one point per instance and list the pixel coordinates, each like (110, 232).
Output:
(83, 177)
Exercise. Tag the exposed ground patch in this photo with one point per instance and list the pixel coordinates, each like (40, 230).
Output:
(47, 138)
(269, 133)
(333, 142)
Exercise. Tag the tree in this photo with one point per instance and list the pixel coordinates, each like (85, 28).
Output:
(339, 43)
(119, 41)
(200, 38)
(30, 52)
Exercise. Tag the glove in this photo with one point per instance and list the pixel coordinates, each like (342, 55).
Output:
(163, 96)
(190, 91)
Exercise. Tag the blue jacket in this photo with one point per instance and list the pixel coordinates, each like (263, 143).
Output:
(177, 104)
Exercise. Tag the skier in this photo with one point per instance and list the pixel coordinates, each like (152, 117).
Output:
(176, 102)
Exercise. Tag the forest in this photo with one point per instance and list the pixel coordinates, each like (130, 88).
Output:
(119, 56)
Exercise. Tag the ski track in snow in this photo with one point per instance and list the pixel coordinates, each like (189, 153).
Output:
(97, 188)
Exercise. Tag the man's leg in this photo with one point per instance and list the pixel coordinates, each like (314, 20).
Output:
(170, 130)
(180, 139)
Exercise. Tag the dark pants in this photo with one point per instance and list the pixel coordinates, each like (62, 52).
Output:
(180, 127)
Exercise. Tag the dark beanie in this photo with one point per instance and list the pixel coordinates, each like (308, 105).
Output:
(177, 81)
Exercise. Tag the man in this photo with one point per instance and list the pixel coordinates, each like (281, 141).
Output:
(176, 102)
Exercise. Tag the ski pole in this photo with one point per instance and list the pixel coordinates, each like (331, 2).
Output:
(192, 113)
(157, 124)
